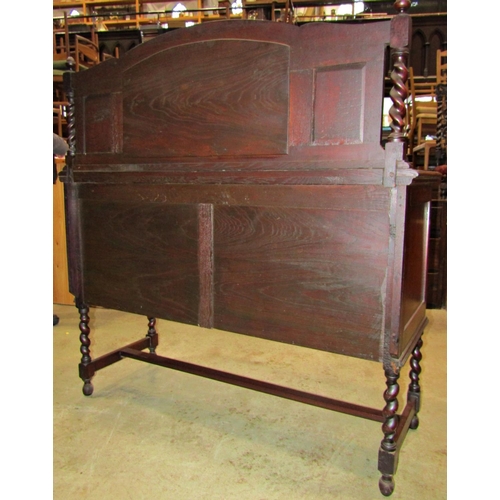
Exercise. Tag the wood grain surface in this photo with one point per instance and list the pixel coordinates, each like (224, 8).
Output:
(306, 276)
(230, 99)
(232, 176)
(142, 257)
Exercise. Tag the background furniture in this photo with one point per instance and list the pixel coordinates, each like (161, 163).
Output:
(84, 51)
(231, 176)
(70, 51)
(116, 42)
(442, 66)
(422, 117)
(427, 110)
(429, 19)
(442, 107)
(60, 122)
(437, 262)
(61, 294)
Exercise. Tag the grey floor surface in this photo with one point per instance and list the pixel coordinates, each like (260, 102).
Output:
(152, 433)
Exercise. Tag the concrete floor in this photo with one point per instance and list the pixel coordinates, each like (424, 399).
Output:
(150, 432)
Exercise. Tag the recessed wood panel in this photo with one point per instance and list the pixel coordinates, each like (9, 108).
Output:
(102, 115)
(339, 105)
(415, 261)
(142, 258)
(304, 276)
(212, 98)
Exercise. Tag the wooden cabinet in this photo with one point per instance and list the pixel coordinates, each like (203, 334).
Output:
(231, 175)
(61, 294)
(437, 265)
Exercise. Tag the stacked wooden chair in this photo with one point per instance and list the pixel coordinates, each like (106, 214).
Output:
(422, 117)
(71, 52)
(427, 114)
(84, 51)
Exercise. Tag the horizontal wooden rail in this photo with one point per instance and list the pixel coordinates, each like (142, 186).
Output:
(256, 385)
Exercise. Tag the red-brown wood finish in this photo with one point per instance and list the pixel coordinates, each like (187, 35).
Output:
(231, 175)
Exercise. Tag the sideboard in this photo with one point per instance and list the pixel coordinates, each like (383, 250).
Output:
(231, 175)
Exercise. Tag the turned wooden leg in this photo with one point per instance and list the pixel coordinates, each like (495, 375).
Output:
(152, 334)
(414, 387)
(85, 375)
(388, 453)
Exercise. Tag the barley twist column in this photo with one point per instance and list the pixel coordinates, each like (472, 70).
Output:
(388, 446)
(151, 333)
(88, 388)
(414, 387)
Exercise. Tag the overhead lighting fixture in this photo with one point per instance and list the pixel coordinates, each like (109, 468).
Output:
(237, 7)
(347, 9)
(178, 10)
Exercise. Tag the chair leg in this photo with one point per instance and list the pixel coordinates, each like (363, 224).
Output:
(427, 150)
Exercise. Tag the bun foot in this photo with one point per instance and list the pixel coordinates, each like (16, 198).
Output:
(414, 422)
(88, 388)
(386, 485)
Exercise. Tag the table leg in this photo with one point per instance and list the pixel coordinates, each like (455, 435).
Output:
(388, 455)
(152, 334)
(85, 375)
(414, 387)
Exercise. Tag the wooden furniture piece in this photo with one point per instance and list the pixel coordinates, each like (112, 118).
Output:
(430, 25)
(442, 66)
(60, 293)
(433, 113)
(76, 53)
(422, 115)
(119, 14)
(231, 176)
(442, 107)
(59, 115)
(116, 42)
(437, 260)
(84, 52)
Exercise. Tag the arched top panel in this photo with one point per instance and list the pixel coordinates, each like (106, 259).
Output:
(238, 90)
